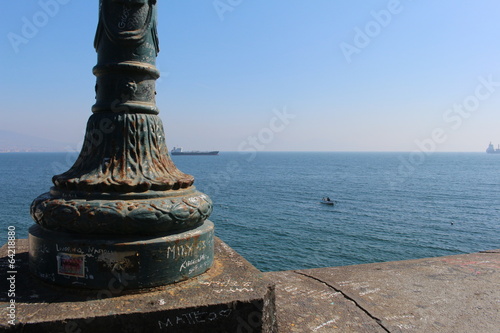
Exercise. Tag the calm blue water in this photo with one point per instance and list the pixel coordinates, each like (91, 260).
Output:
(267, 207)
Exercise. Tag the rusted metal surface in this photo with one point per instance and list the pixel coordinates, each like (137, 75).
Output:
(144, 262)
(123, 195)
(124, 151)
(127, 44)
(132, 214)
(129, 156)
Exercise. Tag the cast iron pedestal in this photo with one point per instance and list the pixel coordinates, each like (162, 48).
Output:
(123, 211)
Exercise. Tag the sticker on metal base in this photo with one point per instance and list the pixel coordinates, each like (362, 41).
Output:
(71, 264)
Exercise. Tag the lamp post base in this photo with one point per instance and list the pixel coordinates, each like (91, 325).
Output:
(103, 262)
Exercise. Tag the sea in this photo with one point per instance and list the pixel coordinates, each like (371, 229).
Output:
(389, 206)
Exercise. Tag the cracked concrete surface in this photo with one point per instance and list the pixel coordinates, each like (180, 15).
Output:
(377, 320)
(445, 294)
(306, 304)
(451, 294)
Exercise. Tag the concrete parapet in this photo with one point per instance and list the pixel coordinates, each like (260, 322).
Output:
(452, 294)
(233, 296)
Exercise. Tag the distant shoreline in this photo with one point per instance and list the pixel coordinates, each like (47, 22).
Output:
(262, 152)
(32, 151)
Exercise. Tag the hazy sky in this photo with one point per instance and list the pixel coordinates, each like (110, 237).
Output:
(322, 75)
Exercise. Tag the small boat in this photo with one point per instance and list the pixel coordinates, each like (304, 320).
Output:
(327, 201)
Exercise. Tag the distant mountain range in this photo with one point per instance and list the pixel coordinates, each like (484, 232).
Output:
(17, 142)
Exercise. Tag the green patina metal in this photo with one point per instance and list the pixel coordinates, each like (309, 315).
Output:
(124, 183)
(125, 262)
(127, 45)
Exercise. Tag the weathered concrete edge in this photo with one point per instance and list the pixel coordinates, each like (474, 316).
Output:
(232, 284)
(348, 297)
(458, 266)
(455, 280)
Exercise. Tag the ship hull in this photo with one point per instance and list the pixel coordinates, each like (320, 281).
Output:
(491, 149)
(194, 153)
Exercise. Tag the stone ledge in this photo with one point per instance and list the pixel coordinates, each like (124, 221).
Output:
(307, 305)
(232, 296)
(452, 294)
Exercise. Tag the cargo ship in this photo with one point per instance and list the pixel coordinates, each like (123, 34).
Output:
(492, 150)
(179, 151)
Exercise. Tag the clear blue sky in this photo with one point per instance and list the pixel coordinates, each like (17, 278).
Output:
(348, 75)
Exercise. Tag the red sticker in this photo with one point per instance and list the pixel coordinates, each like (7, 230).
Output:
(71, 264)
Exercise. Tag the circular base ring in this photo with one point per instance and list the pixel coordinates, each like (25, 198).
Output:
(118, 263)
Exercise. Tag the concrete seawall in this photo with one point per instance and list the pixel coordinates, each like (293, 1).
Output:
(456, 294)
(452, 294)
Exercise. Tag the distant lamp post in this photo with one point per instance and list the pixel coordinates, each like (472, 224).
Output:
(123, 212)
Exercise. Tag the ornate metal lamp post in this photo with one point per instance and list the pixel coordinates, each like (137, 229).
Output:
(123, 211)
